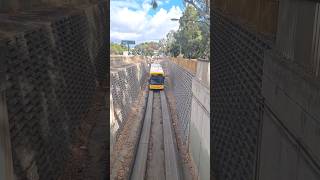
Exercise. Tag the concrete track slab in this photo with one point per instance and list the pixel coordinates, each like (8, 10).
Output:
(173, 171)
(140, 164)
(156, 163)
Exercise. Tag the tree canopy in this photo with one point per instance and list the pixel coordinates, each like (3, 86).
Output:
(192, 36)
(117, 49)
(146, 48)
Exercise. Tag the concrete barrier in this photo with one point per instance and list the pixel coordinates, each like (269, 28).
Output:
(203, 71)
(199, 141)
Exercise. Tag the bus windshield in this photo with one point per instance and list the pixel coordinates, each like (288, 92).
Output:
(156, 80)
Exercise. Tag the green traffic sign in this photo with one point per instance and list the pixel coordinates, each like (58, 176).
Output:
(127, 42)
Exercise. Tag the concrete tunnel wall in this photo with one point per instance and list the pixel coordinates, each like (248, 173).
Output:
(50, 81)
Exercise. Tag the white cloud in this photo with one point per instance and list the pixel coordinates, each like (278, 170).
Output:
(124, 3)
(135, 23)
(146, 6)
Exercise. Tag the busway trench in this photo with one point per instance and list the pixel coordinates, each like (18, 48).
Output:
(156, 155)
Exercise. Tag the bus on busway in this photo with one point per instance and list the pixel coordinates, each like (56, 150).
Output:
(156, 81)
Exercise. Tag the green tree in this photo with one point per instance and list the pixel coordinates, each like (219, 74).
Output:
(172, 44)
(203, 8)
(117, 49)
(189, 34)
(192, 37)
(205, 30)
(147, 48)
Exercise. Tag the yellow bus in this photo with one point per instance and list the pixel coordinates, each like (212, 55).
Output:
(156, 81)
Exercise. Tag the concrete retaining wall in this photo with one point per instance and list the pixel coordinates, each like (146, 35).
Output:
(125, 85)
(50, 68)
(290, 146)
(203, 72)
(278, 138)
(193, 107)
(291, 123)
(199, 141)
(189, 64)
(298, 34)
(260, 14)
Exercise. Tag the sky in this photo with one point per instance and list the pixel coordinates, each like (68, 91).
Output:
(136, 20)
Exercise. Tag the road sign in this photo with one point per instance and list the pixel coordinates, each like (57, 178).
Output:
(127, 42)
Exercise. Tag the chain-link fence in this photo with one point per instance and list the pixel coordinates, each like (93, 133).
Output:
(125, 84)
(182, 88)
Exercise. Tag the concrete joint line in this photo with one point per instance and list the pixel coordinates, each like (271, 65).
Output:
(200, 104)
(308, 155)
(201, 82)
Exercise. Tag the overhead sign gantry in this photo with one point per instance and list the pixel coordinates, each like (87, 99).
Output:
(127, 43)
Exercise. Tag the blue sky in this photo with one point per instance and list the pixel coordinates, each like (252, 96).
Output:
(167, 5)
(136, 20)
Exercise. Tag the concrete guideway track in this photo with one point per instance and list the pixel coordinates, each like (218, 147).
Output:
(156, 156)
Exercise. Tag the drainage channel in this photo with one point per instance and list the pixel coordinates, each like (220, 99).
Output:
(156, 155)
